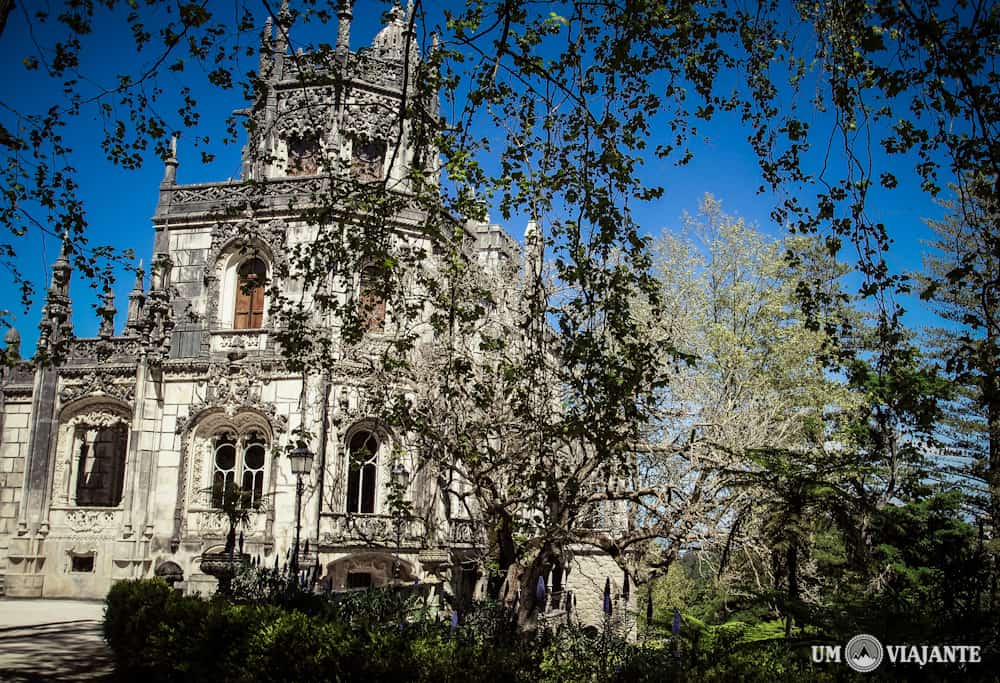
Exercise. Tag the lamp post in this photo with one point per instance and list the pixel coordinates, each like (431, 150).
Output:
(400, 479)
(301, 459)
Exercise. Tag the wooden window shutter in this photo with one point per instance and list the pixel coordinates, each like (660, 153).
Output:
(249, 313)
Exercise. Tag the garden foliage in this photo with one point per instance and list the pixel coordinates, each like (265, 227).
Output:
(158, 635)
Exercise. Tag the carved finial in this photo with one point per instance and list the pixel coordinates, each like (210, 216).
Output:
(56, 324)
(284, 24)
(170, 163)
(107, 313)
(266, 46)
(136, 300)
(61, 270)
(13, 341)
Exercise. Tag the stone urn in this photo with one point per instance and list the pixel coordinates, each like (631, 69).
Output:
(223, 566)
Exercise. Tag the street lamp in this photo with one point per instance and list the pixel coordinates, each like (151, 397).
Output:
(301, 459)
(400, 480)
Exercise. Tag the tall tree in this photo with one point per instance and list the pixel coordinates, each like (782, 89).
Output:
(962, 281)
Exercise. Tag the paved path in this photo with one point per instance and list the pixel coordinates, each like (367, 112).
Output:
(52, 640)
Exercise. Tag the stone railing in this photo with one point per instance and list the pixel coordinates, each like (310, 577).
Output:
(380, 530)
(238, 340)
(466, 532)
(237, 191)
(360, 66)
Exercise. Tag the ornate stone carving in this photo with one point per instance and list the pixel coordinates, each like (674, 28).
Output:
(93, 349)
(371, 117)
(466, 531)
(99, 383)
(304, 112)
(230, 234)
(241, 340)
(92, 521)
(216, 523)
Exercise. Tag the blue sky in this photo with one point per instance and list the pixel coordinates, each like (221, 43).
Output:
(120, 203)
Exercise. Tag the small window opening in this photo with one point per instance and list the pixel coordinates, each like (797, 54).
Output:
(83, 565)
(359, 580)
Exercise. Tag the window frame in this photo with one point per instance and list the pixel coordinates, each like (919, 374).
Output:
(241, 444)
(85, 456)
(356, 468)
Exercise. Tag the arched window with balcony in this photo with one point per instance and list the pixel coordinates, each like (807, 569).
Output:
(250, 280)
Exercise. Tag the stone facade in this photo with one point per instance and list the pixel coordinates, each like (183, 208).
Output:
(109, 457)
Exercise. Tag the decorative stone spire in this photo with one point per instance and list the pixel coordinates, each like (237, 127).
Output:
(12, 340)
(171, 163)
(344, 16)
(136, 299)
(56, 325)
(107, 312)
(284, 25)
(266, 48)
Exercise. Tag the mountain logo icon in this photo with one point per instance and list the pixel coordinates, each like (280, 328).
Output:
(864, 653)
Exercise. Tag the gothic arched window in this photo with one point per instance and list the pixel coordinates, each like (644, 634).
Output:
(238, 461)
(100, 467)
(250, 279)
(362, 472)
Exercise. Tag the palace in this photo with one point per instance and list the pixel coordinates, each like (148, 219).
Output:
(112, 457)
